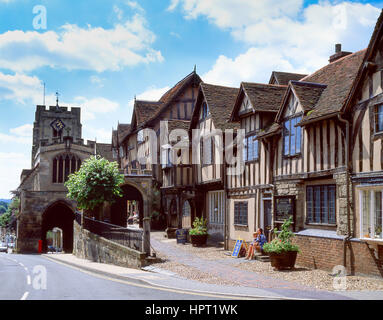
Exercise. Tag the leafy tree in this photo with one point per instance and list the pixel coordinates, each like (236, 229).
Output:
(97, 181)
(3, 209)
(11, 213)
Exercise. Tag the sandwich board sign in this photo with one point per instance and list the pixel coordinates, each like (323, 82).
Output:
(237, 248)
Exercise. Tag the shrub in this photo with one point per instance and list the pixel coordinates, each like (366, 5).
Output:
(199, 227)
(282, 243)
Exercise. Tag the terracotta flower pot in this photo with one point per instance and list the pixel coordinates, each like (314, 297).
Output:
(285, 260)
(198, 240)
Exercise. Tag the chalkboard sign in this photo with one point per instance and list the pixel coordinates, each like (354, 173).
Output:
(181, 235)
(284, 207)
(237, 248)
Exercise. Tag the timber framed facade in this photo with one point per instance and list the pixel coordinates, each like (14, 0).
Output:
(314, 141)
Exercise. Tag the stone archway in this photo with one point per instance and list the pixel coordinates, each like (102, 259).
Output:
(119, 209)
(58, 215)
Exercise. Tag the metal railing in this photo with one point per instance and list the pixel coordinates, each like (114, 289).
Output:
(128, 237)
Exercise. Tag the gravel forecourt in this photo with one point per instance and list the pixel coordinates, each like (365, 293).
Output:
(309, 277)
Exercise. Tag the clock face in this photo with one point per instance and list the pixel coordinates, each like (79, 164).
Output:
(58, 125)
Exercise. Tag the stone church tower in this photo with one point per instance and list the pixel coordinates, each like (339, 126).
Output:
(57, 151)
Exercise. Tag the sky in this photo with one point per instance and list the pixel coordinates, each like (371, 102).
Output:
(100, 54)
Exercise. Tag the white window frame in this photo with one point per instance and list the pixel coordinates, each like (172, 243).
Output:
(372, 213)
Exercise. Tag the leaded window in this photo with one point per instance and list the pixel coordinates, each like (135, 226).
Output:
(320, 204)
(240, 213)
(379, 118)
(292, 136)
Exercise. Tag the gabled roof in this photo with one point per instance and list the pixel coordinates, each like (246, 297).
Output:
(220, 101)
(283, 78)
(178, 124)
(123, 129)
(263, 97)
(339, 77)
(172, 94)
(373, 46)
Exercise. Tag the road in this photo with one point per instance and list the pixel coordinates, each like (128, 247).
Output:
(22, 278)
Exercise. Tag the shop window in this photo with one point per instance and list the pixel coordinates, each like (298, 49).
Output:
(379, 118)
(371, 214)
(320, 204)
(291, 137)
(240, 213)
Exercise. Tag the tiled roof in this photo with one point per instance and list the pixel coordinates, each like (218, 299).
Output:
(273, 129)
(263, 97)
(283, 78)
(119, 135)
(145, 110)
(220, 101)
(308, 93)
(339, 77)
(178, 124)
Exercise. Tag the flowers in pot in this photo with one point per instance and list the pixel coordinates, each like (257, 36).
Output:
(198, 234)
(282, 251)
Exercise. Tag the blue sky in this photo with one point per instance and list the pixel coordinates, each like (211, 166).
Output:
(99, 54)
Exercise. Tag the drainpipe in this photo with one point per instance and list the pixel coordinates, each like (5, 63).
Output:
(349, 236)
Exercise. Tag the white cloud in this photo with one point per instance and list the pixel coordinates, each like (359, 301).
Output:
(150, 94)
(282, 34)
(25, 130)
(97, 81)
(92, 106)
(21, 88)
(11, 165)
(230, 72)
(135, 6)
(91, 48)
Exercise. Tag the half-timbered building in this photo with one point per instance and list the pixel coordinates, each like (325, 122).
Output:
(249, 193)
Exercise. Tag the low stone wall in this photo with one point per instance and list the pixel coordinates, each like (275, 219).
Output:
(98, 249)
(325, 253)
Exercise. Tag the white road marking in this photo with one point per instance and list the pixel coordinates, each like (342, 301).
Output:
(25, 295)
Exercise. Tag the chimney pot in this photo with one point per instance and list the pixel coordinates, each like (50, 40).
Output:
(338, 48)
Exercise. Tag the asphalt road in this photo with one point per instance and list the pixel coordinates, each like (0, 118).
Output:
(22, 278)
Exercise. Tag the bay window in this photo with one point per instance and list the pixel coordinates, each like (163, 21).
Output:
(371, 204)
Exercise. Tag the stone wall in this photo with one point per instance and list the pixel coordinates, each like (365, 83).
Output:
(98, 249)
(341, 194)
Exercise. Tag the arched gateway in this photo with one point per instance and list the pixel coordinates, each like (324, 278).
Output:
(58, 215)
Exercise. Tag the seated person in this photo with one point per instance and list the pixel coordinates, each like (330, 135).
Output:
(258, 242)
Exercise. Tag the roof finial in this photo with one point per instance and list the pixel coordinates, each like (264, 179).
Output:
(57, 100)
(195, 68)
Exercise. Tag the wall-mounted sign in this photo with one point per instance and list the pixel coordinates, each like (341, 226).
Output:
(284, 207)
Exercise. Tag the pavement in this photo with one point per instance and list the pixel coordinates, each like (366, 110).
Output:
(253, 285)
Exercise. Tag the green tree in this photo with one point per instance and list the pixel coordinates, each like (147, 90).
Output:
(11, 213)
(97, 181)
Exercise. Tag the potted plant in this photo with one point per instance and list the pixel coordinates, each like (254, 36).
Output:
(282, 252)
(198, 234)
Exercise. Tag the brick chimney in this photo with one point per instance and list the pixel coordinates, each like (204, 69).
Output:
(338, 53)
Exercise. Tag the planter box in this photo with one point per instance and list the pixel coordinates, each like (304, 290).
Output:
(282, 261)
(198, 240)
